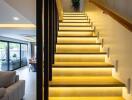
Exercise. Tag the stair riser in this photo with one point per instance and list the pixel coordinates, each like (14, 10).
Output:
(79, 58)
(76, 21)
(87, 98)
(77, 49)
(70, 15)
(73, 13)
(74, 18)
(84, 92)
(76, 29)
(82, 72)
(75, 33)
(76, 40)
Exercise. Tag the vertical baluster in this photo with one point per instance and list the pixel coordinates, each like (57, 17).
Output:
(46, 51)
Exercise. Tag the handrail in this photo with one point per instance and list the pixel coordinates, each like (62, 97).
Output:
(59, 9)
(114, 15)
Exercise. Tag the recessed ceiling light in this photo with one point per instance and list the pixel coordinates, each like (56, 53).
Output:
(16, 18)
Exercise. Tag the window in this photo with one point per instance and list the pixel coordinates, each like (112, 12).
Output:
(14, 51)
(24, 51)
(12, 55)
(4, 56)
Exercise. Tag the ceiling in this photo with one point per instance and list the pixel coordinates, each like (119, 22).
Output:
(14, 12)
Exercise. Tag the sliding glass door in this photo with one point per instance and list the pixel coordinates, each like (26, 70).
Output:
(14, 55)
(3, 56)
(24, 51)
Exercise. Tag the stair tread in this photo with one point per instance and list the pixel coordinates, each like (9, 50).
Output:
(75, 24)
(85, 81)
(86, 98)
(83, 53)
(75, 34)
(73, 13)
(79, 18)
(75, 21)
(82, 64)
(82, 72)
(76, 29)
(83, 37)
(76, 44)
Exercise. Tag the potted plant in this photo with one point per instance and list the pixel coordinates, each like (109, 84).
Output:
(76, 4)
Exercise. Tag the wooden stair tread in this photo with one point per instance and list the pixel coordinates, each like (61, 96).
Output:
(82, 72)
(77, 44)
(85, 81)
(73, 13)
(83, 37)
(86, 98)
(76, 29)
(82, 64)
(79, 18)
(92, 53)
(75, 34)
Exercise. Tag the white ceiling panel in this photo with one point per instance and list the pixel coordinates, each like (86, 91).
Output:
(27, 8)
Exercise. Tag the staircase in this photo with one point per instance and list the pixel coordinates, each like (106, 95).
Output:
(80, 70)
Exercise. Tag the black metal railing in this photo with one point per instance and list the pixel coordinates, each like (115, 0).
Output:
(39, 34)
(50, 38)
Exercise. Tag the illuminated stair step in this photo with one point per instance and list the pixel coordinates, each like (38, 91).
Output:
(85, 91)
(82, 65)
(76, 29)
(79, 58)
(75, 33)
(82, 72)
(73, 13)
(75, 24)
(78, 49)
(76, 40)
(79, 18)
(76, 21)
(85, 81)
(86, 98)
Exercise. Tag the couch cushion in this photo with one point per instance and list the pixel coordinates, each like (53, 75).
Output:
(2, 92)
(7, 78)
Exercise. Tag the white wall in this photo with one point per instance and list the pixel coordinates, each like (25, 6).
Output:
(122, 7)
(117, 38)
(67, 5)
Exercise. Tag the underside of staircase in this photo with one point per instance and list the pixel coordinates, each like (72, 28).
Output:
(80, 70)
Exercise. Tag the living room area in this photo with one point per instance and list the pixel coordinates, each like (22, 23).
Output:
(18, 50)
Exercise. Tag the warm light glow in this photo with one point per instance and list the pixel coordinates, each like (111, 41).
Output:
(83, 64)
(74, 33)
(75, 21)
(77, 28)
(79, 58)
(17, 26)
(87, 98)
(76, 40)
(82, 71)
(90, 81)
(77, 48)
(85, 91)
(75, 24)
(75, 18)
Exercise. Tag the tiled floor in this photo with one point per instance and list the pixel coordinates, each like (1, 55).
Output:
(30, 78)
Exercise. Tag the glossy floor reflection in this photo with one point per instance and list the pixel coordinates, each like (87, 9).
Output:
(30, 78)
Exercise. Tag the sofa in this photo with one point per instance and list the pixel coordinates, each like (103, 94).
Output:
(11, 88)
